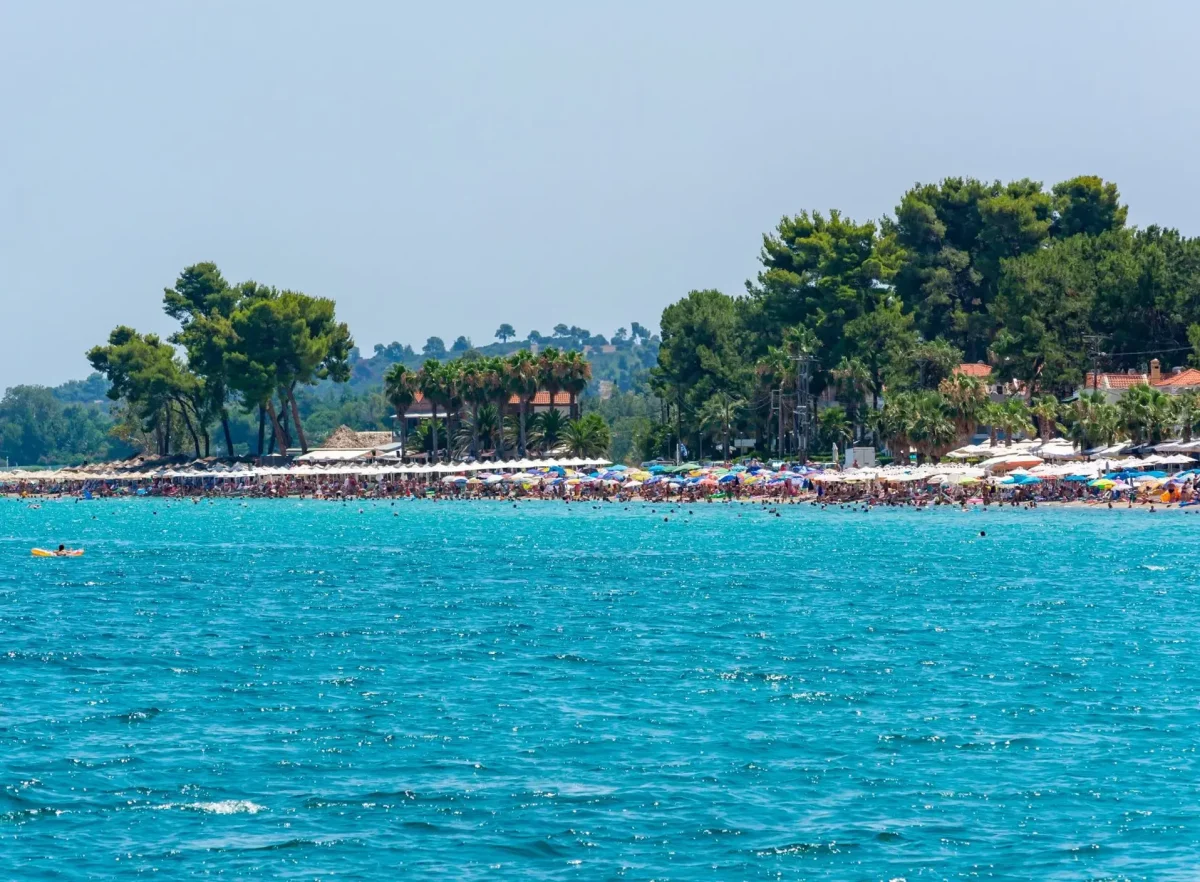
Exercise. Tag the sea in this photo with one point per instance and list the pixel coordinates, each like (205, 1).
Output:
(297, 689)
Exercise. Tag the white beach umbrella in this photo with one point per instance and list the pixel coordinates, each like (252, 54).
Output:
(1177, 459)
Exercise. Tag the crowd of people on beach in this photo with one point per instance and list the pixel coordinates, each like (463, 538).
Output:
(739, 483)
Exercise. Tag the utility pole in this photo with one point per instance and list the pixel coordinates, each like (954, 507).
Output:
(678, 426)
(805, 406)
(1093, 343)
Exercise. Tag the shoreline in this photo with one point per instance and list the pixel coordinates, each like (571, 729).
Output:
(770, 503)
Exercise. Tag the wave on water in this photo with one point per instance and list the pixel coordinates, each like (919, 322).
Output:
(805, 848)
(220, 807)
(139, 716)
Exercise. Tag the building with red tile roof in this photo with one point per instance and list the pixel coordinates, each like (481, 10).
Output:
(421, 410)
(1115, 384)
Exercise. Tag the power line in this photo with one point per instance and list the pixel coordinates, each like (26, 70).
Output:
(1150, 351)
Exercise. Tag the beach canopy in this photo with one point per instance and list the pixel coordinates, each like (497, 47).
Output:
(1008, 461)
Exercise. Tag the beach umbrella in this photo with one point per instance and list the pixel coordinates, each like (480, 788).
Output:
(1176, 459)
(1008, 461)
(1022, 480)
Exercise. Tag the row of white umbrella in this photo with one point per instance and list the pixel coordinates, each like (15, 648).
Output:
(366, 470)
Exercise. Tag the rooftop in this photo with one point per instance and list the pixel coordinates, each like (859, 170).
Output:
(1185, 379)
(541, 399)
(345, 438)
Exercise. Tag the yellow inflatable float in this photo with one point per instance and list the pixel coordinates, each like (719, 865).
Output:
(66, 552)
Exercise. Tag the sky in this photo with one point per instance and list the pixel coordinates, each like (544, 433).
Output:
(439, 169)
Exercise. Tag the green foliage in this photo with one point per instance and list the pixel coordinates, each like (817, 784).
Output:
(38, 428)
(547, 430)
(1091, 421)
(246, 340)
(588, 436)
(1043, 307)
(1087, 206)
(834, 427)
(1147, 414)
(720, 415)
(955, 235)
(1010, 274)
(146, 372)
(702, 350)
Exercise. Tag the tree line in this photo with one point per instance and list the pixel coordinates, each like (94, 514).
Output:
(1041, 285)
(247, 345)
(251, 348)
(482, 388)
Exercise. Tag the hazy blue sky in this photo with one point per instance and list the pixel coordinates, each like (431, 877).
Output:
(442, 168)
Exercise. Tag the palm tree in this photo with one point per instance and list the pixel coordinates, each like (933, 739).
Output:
(835, 426)
(1187, 405)
(1014, 417)
(966, 397)
(854, 380)
(400, 390)
(577, 373)
(775, 372)
(1080, 417)
(1045, 410)
(933, 429)
(876, 423)
(896, 422)
(453, 395)
(588, 436)
(523, 372)
(800, 340)
(478, 430)
(550, 372)
(990, 416)
(422, 436)
(918, 420)
(429, 382)
(1161, 412)
(721, 412)
(480, 386)
(1107, 421)
(1146, 413)
(547, 429)
(496, 382)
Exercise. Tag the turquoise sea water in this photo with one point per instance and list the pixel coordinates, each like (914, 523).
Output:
(301, 690)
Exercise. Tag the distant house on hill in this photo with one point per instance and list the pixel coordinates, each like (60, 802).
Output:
(420, 409)
(1113, 385)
